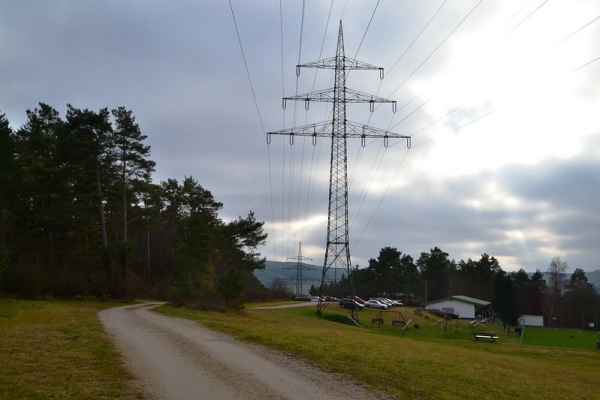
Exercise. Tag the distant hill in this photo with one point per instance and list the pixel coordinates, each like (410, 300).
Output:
(594, 278)
(287, 271)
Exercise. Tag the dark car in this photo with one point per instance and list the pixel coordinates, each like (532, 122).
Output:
(351, 303)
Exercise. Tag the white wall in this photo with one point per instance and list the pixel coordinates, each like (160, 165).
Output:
(531, 320)
(464, 310)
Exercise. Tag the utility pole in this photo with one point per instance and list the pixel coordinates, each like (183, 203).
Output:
(299, 268)
(337, 251)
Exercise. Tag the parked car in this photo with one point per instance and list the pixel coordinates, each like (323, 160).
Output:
(302, 297)
(389, 302)
(384, 300)
(376, 304)
(351, 303)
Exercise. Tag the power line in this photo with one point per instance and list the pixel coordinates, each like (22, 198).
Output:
(313, 167)
(578, 30)
(366, 29)
(586, 64)
(246, 67)
(528, 16)
(416, 38)
(437, 47)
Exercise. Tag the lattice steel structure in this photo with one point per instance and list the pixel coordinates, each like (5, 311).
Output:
(337, 253)
(300, 267)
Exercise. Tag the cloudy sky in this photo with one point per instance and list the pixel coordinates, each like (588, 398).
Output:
(501, 98)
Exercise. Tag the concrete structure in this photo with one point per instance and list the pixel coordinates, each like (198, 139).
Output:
(531, 320)
(463, 306)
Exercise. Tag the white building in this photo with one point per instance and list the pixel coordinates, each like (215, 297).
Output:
(463, 306)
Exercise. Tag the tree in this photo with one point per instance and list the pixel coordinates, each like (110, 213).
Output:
(90, 139)
(477, 278)
(77, 195)
(536, 288)
(505, 303)
(8, 183)
(237, 244)
(579, 281)
(581, 300)
(435, 269)
(212, 258)
(86, 149)
(42, 208)
(131, 158)
(390, 274)
(557, 275)
(556, 285)
(520, 281)
(191, 215)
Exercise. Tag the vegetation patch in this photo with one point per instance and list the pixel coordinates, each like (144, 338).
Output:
(436, 360)
(58, 350)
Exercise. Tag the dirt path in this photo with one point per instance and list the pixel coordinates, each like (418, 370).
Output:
(179, 359)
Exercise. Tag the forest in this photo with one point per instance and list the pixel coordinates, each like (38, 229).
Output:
(80, 216)
(564, 299)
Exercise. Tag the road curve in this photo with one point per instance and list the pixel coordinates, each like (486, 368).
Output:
(178, 359)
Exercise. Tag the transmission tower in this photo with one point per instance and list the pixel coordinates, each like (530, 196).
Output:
(337, 252)
(299, 268)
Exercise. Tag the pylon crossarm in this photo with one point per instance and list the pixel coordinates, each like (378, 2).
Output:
(327, 96)
(319, 129)
(330, 63)
(353, 130)
(356, 130)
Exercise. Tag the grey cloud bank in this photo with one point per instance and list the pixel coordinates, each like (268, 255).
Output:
(513, 172)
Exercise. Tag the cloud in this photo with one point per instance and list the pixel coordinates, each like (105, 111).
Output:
(502, 101)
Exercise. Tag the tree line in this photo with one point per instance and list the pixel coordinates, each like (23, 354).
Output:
(563, 299)
(80, 216)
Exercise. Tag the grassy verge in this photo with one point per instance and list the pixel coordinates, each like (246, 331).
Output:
(58, 350)
(436, 361)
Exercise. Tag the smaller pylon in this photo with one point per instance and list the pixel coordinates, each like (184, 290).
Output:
(299, 268)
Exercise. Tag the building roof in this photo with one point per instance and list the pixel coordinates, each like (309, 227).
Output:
(464, 299)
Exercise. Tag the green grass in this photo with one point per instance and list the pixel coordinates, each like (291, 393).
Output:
(563, 338)
(58, 350)
(437, 361)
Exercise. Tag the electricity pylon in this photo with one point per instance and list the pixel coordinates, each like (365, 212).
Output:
(300, 268)
(337, 251)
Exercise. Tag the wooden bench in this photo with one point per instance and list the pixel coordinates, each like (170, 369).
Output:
(492, 336)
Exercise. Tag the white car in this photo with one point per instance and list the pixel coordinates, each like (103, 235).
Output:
(389, 302)
(376, 304)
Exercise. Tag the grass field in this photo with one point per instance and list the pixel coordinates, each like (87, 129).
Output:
(439, 360)
(58, 350)
(561, 338)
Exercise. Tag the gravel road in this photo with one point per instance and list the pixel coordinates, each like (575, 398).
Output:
(178, 359)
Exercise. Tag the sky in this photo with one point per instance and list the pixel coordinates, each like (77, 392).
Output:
(500, 97)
